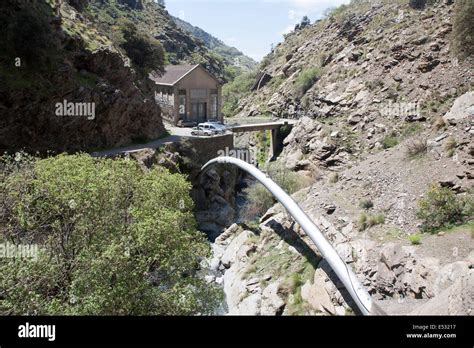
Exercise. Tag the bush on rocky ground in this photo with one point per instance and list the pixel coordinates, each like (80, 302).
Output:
(366, 221)
(306, 79)
(442, 208)
(416, 147)
(417, 4)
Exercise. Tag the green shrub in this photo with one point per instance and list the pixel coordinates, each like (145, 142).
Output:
(390, 141)
(28, 35)
(366, 204)
(441, 207)
(305, 80)
(378, 219)
(260, 199)
(463, 28)
(365, 221)
(113, 240)
(410, 129)
(263, 147)
(362, 221)
(414, 239)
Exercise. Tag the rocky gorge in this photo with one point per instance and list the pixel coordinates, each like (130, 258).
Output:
(387, 116)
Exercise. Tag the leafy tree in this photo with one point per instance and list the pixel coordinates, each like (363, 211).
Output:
(114, 240)
(305, 22)
(146, 52)
(232, 92)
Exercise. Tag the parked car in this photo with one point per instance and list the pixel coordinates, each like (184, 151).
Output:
(184, 123)
(215, 120)
(218, 124)
(214, 128)
(200, 131)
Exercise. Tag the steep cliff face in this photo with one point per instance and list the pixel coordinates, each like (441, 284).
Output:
(54, 59)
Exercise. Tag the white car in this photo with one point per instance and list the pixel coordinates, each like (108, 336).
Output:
(212, 127)
(218, 124)
(200, 131)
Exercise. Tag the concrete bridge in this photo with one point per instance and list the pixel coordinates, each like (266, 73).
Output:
(273, 126)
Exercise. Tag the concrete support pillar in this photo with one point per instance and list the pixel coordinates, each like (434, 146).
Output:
(273, 143)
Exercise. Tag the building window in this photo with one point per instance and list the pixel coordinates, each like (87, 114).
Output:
(182, 103)
(213, 105)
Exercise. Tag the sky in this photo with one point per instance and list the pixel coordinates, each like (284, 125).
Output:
(252, 26)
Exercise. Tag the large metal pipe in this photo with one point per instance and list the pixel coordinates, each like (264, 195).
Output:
(358, 293)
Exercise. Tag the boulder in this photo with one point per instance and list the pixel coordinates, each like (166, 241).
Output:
(272, 303)
(234, 250)
(448, 275)
(315, 294)
(428, 63)
(463, 108)
(249, 306)
(393, 255)
(455, 300)
(293, 158)
(320, 149)
(354, 119)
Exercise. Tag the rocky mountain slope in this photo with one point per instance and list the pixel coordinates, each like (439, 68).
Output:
(231, 55)
(180, 46)
(386, 114)
(92, 54)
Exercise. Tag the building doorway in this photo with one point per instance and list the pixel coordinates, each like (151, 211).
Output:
(199, 111)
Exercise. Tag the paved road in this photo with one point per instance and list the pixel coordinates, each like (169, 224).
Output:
(176, 134)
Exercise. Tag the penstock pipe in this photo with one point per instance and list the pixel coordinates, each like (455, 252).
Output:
(358, 293)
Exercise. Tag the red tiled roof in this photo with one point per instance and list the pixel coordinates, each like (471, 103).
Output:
(173, 73)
